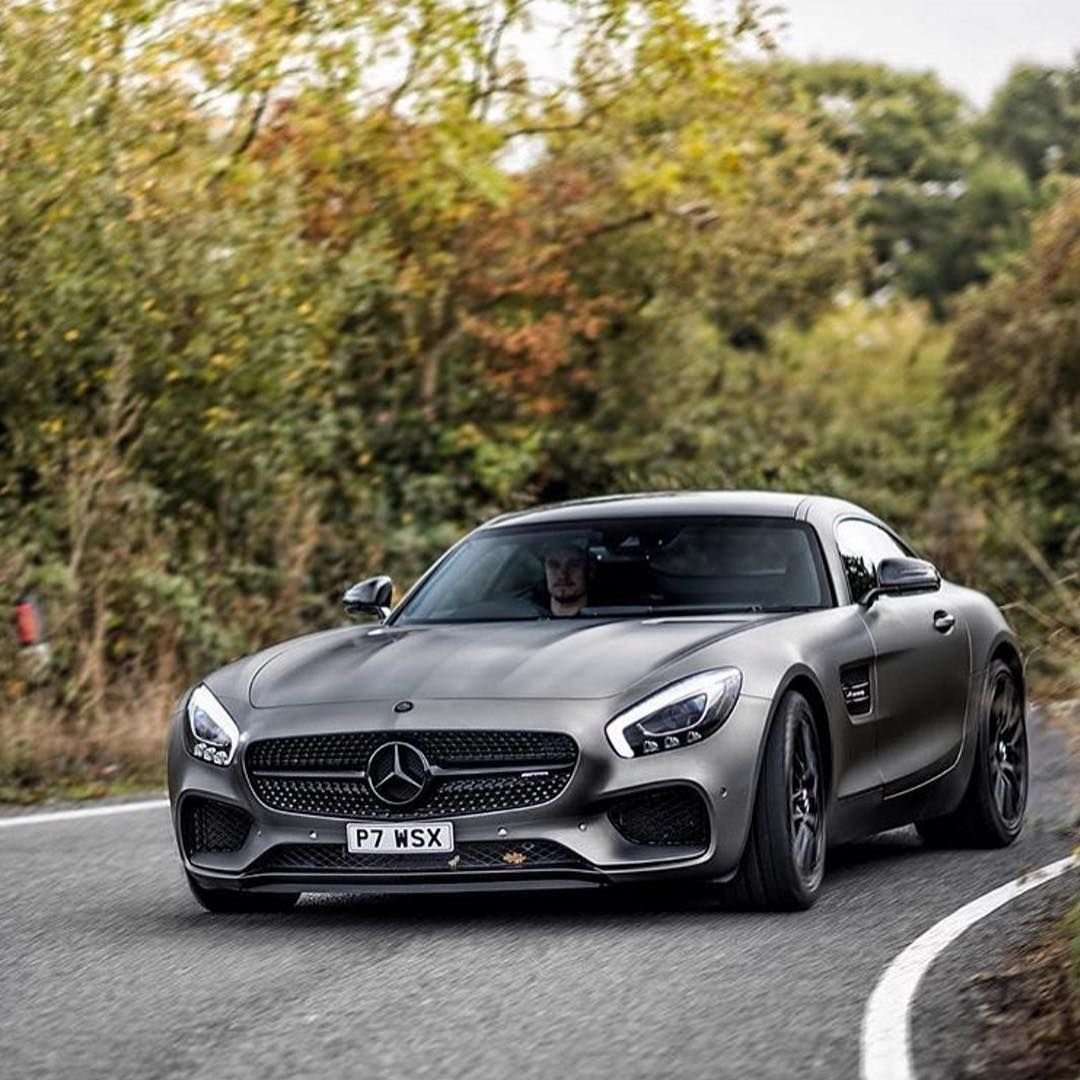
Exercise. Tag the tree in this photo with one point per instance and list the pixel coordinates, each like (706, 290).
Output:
(939, 215)
(1034, 119)
(290, 289)
(1016, 348)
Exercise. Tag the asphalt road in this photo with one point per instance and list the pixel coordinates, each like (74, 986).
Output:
(108, 968)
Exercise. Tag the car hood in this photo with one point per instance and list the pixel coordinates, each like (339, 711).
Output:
(546, 659)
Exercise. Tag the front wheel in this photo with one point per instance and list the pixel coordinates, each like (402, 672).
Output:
(991, 813)
(234, 902)
(784, 861)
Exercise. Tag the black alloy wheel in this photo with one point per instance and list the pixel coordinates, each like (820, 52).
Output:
(807, 809)
(784, 860)
(1006, 750)
(991, 812)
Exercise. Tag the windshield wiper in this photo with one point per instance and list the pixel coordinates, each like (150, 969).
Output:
(617, 609)
(636, 611)
(695, 609)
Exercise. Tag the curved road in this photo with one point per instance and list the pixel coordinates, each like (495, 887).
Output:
(108, 968)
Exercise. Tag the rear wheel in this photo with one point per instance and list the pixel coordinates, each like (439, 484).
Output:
(234, 902)
(784, 861)
(991, 813)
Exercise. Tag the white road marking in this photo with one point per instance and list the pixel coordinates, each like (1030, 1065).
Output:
(886, 1031)
(73, 815)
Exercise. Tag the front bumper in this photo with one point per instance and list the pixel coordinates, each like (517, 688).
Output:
(570, 840)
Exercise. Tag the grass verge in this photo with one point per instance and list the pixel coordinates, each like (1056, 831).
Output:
(79, 788)
(1029, 1012)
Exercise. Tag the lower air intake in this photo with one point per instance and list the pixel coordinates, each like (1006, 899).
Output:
(473, 855)
(211, 827)
(662, 817)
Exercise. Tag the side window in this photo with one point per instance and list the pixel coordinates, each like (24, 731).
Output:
(862, 546)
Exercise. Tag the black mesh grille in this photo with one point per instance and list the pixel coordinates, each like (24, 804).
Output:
(352, 749)
(662, 817)
(209, 826)
(474, 855)
(285, 773)
(448, 797)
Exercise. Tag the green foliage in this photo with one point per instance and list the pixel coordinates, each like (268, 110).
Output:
(939, 210)
(294, 293)
(900, 125)
(1022, 331)
(1034, 119)
(1016, 356)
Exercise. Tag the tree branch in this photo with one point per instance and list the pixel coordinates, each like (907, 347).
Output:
(253, 124)
(484, 85)
(395, 95)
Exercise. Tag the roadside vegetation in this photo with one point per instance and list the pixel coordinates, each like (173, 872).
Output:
(291, 293)
(1029, 1010)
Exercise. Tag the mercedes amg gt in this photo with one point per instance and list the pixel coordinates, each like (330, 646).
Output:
(702, 686)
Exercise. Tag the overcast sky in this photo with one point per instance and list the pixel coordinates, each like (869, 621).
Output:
(971, 44)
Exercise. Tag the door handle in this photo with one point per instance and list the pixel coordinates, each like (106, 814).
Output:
(944, 621)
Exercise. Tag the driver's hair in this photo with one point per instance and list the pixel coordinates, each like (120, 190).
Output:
(573, 546)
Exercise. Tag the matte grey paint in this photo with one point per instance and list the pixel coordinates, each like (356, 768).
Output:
(909, 756)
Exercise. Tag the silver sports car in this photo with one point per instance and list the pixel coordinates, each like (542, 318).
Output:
(706, 686)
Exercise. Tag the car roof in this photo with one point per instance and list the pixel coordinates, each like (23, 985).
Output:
(779, 504)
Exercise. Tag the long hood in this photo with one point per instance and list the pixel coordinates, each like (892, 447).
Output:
(546, 659)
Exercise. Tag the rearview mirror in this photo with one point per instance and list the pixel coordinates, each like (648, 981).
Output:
(369, 597)
(900, 575)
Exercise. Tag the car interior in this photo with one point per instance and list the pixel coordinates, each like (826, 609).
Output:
(632, 566)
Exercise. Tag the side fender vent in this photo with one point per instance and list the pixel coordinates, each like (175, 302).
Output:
(855, 685)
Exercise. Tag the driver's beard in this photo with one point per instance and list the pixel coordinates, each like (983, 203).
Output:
(560, 597)
(574, 603)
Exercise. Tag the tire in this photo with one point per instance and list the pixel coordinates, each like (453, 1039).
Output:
(991, 813)
(235, 902)
(784, 861)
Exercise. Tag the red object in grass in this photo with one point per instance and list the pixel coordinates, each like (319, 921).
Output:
(28, 624)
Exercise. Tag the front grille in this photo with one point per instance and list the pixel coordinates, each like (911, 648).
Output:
(472, 855)
(473, 772)
(352, 749)
(208, 826)
(662, 817)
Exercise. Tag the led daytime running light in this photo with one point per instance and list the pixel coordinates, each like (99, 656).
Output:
(216, 734)
(628, 732)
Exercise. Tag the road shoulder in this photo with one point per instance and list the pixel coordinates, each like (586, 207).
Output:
(954, 1005)
(947, 1021)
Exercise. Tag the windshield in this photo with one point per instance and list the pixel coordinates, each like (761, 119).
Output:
(625, 568)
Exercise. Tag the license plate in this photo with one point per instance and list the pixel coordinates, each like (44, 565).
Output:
(399, 839)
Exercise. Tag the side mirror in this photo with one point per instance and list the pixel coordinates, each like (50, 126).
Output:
(369, 597)
(900, 575)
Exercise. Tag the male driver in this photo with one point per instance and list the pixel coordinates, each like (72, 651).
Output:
(564, 568)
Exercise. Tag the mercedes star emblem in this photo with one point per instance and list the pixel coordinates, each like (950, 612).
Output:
(397, 773)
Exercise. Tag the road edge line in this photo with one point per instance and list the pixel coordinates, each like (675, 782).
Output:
(885, 1046)
(72, 815)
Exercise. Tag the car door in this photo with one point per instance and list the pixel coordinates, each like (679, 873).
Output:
(921, 664)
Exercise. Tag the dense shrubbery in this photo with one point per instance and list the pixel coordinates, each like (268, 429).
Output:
(270, 321)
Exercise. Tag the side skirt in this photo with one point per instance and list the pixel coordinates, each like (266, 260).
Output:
(904, 801)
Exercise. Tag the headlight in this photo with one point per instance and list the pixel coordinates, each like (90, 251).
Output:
(679, 715)
(216, 734)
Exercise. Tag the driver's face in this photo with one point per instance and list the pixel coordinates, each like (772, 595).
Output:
(565, 572)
